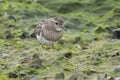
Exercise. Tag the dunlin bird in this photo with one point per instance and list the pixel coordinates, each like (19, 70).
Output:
(50, 30)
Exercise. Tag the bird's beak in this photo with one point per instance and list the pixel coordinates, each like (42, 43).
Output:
(64, 28)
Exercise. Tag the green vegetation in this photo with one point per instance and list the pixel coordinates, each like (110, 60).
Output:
(86, 46)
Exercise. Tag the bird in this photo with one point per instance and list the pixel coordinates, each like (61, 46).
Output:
(50, 30)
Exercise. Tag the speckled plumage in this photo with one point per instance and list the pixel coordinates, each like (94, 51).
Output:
(50, 30)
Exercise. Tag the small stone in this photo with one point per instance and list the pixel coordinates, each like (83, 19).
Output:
(34, 78)
(36, 62)
(96, 39)
(1, 15)
(115, 33)
(26, 78)
(8, 34)
(117, 69)
(111, 78)
(61, 41)
(60, 76)
(12, 17)
(11, 25)
(117, 78)
(35, 56)
(68, 55)
(48, 78)
(22, 74)
(74, 77)
(117, 53)
(12, 75)
(33, 35)
(101, 78)
(78, 46)
(24, 35)
(4, 55)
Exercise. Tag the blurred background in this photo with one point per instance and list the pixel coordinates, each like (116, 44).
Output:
(90, 26)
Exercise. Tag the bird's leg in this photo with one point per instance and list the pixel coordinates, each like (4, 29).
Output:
(51, 46)
(42, 49)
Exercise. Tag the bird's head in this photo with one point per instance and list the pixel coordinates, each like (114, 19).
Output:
(58, 23)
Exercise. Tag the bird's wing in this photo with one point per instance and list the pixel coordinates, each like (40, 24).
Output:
(39, 27)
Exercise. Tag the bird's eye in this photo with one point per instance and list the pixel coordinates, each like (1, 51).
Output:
(56, 23)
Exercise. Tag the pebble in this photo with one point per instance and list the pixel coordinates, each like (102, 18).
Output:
(12, 75)
(117, 78)
(1, 15)
(8, 34)
(12, 17)
(24, 35)
(33, 35)
(4, 55)
(36, 62)
(60, 76)
(117, 69)
(68, 55)
(73, 77)
(34, 78)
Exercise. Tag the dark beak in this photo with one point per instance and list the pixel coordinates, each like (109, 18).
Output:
(64, 28)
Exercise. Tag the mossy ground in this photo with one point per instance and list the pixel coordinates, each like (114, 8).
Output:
(93, 52)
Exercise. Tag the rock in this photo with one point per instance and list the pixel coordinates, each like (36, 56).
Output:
(7, 32)
(60, 76)
(117, 78)
(115, 33)
(22, 74)
(35, 56)
(1, 15)
(96, 39)
(29, 2)
(61, 41)
(25, 60)
(74, 77)
(11, 25)
(101, 78)
(4, 55)
(8, 35)
(12, 17)
(12, 75)
(34, 78)
(36, 62)
(26, 78)
(78, 47)
(111, 78)
(48, 78)
(68, 55)
(33, 35)
(24, 35)
(117, 53)
(117, 69)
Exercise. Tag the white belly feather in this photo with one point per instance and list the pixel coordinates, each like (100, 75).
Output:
(43, 40)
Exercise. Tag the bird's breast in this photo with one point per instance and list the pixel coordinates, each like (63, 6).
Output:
(52, 35)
